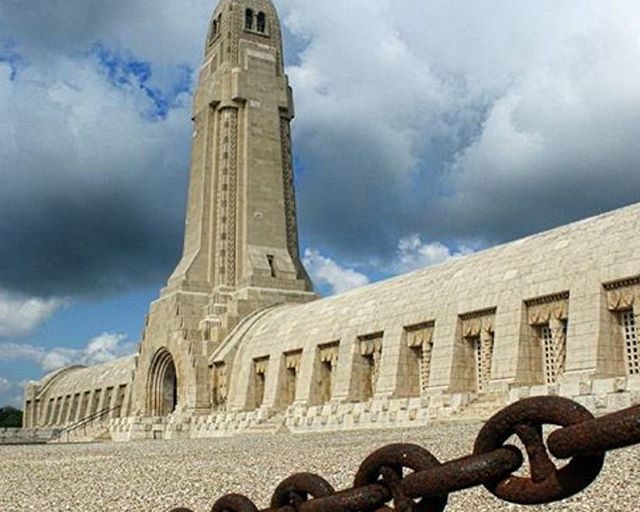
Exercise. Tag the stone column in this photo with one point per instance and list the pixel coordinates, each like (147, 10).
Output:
(69, 411)
(446, 353)
(304, 389)
(26, 420)
(114, 402)
(349, 349)
(391, 363)
(78, 414)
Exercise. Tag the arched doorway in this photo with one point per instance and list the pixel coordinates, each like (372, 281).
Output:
(162, 388)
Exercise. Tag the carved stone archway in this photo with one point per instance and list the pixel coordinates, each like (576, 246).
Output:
(162, 387)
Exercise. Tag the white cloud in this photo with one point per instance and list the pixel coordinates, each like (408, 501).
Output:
(20, 316)
(5, 385)
(413, 254)
(101, 349)
(327, 271)
(453, 120)
(462, 120)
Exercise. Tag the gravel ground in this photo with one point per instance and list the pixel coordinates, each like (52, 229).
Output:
(159, 475)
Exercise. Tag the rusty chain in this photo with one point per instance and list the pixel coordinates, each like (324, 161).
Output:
(382, 478)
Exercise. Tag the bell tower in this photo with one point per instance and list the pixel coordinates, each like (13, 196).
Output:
(241, 226)
(241, 239)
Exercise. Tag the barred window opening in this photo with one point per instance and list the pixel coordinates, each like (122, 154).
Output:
(424, 362)
(632, 346)
(554, 352)
(483, 353)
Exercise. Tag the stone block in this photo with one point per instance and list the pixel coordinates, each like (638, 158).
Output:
(539, 390)
(603, 386)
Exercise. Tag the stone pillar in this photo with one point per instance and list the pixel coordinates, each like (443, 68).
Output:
(124, 410)
(26, 420)
(102, 393)
(113, 402)
(90, 410)
(304, 389)
(392, 363)
(36, 413)
(349, 349)
(588, 344)
(60, 409)
(69, 412)
(446, 351)
(79, 413)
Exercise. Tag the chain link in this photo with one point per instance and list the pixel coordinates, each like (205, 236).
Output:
(408, 478)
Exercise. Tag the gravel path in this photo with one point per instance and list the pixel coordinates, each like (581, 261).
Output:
(159, 475)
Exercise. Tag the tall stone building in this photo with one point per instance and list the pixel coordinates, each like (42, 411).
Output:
(238, 340)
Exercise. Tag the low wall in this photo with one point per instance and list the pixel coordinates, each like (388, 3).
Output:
(26, 435)
(599, 396)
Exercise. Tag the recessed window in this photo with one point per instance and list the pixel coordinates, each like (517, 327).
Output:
(262, 23)
(248, 19)
(272, 264)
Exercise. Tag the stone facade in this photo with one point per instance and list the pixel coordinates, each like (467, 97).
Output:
(238, 342)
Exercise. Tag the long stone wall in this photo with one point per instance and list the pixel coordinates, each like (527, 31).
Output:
(26, 435)
(70, 395)
(550, 313)
(555, 313)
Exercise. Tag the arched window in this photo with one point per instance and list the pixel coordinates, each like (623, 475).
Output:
(262, 23)
(248, 19)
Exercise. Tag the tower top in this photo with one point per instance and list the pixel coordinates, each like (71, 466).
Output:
(250, 20)
(241, 233)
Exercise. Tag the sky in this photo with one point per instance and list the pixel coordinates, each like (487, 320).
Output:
(425, 130)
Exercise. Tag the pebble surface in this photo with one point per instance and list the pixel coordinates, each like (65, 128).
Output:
(161, 475)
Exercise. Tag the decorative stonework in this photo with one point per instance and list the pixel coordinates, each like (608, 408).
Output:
(289, 193)
(478, 329)
(420, 339)
(227, 196)
(292, 370)
(371, 351)
(622, 294)
(549, 316)
(541, 310)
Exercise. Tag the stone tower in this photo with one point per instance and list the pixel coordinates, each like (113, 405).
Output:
(241, 244)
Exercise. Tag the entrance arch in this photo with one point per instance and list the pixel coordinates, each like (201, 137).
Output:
(162, 388)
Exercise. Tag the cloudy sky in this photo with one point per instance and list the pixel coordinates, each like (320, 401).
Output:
(426, 129)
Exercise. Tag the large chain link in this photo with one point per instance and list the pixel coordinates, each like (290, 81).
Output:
(408, 478)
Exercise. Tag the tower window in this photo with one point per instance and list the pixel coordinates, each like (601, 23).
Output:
(262, 23)
(248, 19)
(272, 266)
(214, 29)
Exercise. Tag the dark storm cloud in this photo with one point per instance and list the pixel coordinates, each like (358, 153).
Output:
(474, 122)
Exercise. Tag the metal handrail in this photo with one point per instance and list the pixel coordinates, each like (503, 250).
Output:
(88, 419)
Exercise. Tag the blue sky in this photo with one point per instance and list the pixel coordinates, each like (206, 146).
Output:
(424, 131)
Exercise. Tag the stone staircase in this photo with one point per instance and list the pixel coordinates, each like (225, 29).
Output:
(274, 425)
(481, 408)
(92, 429)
